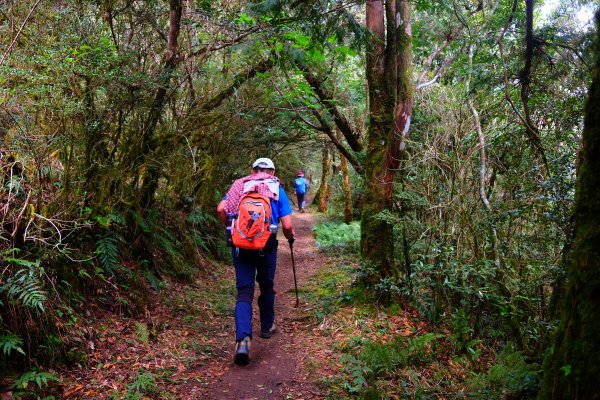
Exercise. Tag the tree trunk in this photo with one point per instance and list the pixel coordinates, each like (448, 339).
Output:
(389, 76)
(531, 129)
(346, 187)
(323, 191)
(149, 140)
(572, 368)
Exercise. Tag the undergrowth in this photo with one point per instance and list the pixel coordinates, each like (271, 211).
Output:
(117, 261)
(395, 352)
(338, 238)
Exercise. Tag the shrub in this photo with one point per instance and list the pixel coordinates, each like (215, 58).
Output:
(338, 237)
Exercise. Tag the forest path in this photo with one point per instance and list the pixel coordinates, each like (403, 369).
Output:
(277, 369)
(182, 347)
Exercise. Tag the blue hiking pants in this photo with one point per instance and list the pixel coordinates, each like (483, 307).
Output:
(300, 197)
(251, 265)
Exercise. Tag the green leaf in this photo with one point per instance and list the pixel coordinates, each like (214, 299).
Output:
(246, 19)
(345, 50)
(24, 263)
(566, 369)
(9, 343)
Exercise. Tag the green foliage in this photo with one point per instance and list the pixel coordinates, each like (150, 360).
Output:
(338, 237)
(512, 376)
(10, 343)
(462, 336)
(108, 251)
(331, 288)
(377, 360)
(143, 384)
(141, 332)
(40, 378)
(357, 371)
(206, 231)
(25, 286)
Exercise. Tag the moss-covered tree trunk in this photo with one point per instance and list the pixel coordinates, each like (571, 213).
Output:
(150, 144)
(572, 368)
(389, 76)
(346, 187)
(322, 194)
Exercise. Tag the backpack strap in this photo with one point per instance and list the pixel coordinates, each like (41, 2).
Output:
(271, 183)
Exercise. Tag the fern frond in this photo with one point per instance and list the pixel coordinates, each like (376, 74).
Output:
(108, 251)
(141, 332)
(200, 242)
(167, 242)
(10, 343)
(41, 379)
(199, 217)
(117, 218)
(153, 280)
(25, 286)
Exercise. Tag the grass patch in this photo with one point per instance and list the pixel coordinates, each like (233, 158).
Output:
(330, 288)
(338, 238)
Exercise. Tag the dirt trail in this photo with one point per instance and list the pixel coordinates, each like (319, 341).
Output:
(278, 365)
(182, 347)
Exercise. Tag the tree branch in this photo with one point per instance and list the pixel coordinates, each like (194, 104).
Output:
(238, 80)
(12, 43)
(449, 38)
(333, 137)
(328, 102)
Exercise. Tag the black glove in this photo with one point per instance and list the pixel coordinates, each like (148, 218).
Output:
(291, 240)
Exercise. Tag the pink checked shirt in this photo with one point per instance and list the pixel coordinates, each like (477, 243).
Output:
(234, 195)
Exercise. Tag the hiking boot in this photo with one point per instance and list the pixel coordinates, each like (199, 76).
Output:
(268, 333)
(242, 351)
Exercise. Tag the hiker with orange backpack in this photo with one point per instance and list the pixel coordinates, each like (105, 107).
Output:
(251, 210)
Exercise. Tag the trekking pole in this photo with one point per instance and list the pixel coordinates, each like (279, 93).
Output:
(294, 271)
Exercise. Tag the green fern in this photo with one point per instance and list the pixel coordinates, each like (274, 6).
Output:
(333, 236)
(117, 218)
(144, 383)
(153, 280)
(23, 263)
(199, 217)
(108, 251)
(41, 379)
(202, 231)
(167, 242)
(25, 286)
(200, 242)
(141, 332)
(10, 343)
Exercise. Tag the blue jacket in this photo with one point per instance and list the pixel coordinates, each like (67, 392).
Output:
(301, 185)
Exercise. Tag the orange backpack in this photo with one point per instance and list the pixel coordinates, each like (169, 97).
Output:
(251, 226)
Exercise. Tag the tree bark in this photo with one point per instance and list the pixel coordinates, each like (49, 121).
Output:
(389, 76)
(572, 368)
(323, 192)
(530, 127)
(346, 188)
(149, 141)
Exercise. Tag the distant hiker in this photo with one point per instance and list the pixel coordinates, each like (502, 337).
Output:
(301, 185)
(252, 209)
